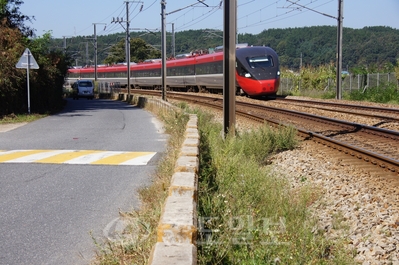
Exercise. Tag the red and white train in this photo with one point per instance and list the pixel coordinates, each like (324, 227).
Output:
(257, 73)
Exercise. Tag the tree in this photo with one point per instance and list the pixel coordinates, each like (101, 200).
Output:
(139, 51)
(9, 10)
(46, 83)
(48, 80)
(11, 48)
(117, 53)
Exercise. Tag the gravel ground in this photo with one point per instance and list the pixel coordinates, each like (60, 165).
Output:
(367, 204)
(386, 124)
(357, 206)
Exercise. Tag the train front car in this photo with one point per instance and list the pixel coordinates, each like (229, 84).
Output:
(258, 71)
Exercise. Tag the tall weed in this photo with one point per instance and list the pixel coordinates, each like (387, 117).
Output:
(380, 94)
(248, 215)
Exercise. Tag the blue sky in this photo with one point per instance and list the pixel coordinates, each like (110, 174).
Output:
(76, 17)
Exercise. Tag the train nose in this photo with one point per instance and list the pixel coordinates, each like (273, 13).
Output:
(267, 87)
(270, 86)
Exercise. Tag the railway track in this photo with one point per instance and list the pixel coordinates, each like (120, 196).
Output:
(372, 148)
(387, 114)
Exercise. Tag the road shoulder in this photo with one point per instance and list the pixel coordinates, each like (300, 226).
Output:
(11, 126)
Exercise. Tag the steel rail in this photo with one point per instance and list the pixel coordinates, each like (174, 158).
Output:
(366, 156)
(383, 162)
(347, 106)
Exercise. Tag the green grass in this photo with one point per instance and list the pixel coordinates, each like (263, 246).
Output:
(382, 94)
(329, 94)
(388, 94)
(250, 216)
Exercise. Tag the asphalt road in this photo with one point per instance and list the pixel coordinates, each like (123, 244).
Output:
(49, 210)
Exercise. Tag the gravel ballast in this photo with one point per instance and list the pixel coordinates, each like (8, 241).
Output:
(356, 206)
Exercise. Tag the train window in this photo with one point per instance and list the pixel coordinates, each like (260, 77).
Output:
(180, 70)
(172, 71)
(147, 73)
(73, 75)
(190, 70)
(209, 68)
(86, 75)
(120, 74)
(260, 61)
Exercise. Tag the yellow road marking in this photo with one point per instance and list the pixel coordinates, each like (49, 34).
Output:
(19, 154)
(120, 158)
(61, 158)
(95, 157)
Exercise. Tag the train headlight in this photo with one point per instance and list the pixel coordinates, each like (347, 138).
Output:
(278, 73)
(248, 75)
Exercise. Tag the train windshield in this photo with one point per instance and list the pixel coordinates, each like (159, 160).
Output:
(260, 61)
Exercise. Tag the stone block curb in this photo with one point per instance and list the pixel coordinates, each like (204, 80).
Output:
(187, 164)
(177, 227)
(189, 151)
(194, 142)
(180, 254)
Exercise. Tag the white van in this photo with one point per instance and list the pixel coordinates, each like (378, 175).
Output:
(83, 89)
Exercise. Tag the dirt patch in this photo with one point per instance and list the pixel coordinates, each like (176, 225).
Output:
(10, 126)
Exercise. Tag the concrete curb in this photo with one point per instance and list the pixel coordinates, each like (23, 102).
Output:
(177, 227)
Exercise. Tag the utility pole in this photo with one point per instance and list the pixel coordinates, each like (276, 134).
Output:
(229, 65)
(65, 45)
(95, 49)
(173, 41)
(339, 49)
(87, 53)
(163, 49)
(339, 41)
(127, 42)
(300, 72)
(128, 50)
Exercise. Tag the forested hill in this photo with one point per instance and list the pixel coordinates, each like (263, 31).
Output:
(369, 47)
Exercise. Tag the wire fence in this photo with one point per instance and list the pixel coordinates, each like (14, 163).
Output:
(349, 83)
(108, 88)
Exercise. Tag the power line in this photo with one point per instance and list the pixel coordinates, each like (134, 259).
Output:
(279, 17)
(198, 19)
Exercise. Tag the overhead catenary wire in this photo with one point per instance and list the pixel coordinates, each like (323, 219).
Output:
(255, 13)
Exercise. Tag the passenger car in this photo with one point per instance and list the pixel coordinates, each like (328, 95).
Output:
(83, 89)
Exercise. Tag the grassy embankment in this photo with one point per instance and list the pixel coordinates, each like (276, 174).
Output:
(246, 214)
(250, 216)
